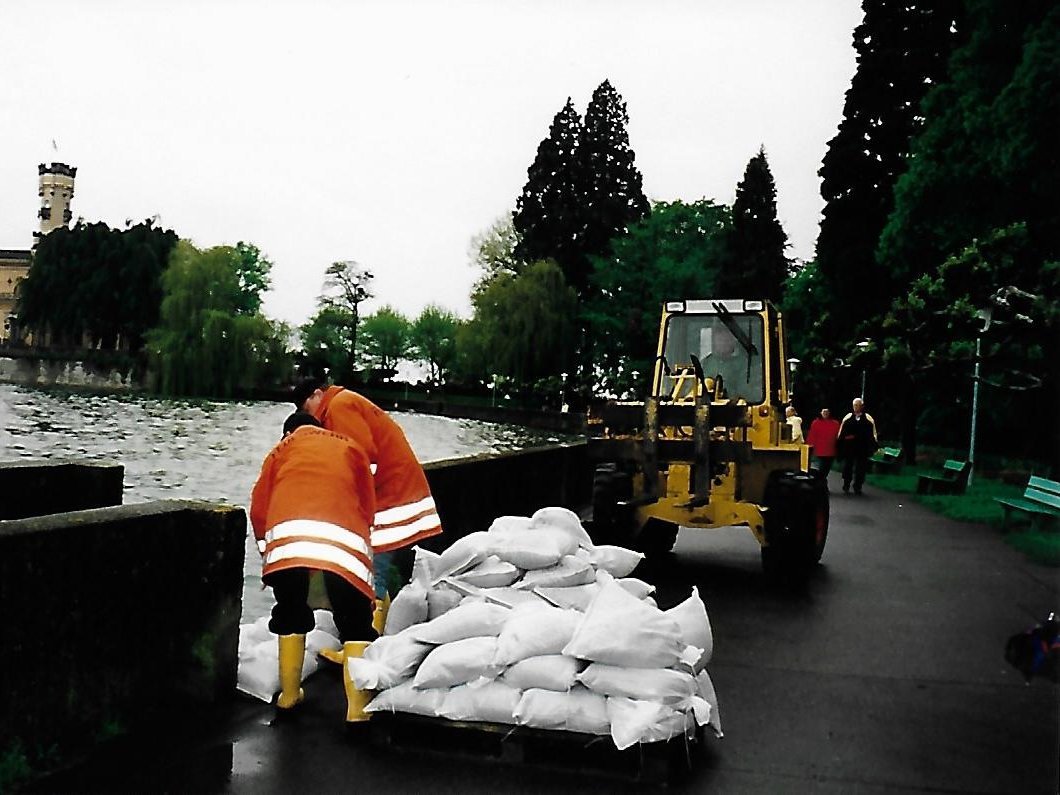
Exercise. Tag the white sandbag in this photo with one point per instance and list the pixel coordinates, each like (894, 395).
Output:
(462, 554)
(406, 698)
(562, 519)
(504, 523)
(458, 663)
(409, 607)
(325, 621)
(509, 597)
(620, 629)
(472, 618)
(661, 685)
(644, 722)
(568, 572)
(424, 564)
(545, 672)
(576, 597)
(493, 702)
(636, 588)
(691, 617)
(535, 629)
(440, 600)
(388, 661)
(257, 665)
(531, 549)
(705, 688)
(490, 573)
(250, 635)
(616, 561)
(577, 710)
(319, 640)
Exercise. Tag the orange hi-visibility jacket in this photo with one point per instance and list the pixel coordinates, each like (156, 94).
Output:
(312, 507)
(405, 511)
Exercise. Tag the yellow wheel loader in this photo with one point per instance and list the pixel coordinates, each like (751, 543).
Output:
(709, 447)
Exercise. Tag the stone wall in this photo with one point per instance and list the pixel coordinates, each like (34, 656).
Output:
(33, 488)
(51, 372)
(112, 619)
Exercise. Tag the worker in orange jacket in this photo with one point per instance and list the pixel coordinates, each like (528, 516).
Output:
(311, 510)
(405, 511)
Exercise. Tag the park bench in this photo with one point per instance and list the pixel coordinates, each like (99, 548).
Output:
(1041, 501)
(952, 480)
(887, 459)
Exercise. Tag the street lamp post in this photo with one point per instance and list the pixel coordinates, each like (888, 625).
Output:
(863, 346)
(985, 315)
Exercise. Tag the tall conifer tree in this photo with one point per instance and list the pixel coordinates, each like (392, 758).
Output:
(902, 51)
(613, 187)
(548, 216)
(759, 266)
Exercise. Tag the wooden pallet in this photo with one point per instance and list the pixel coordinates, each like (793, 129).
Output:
(661, 763)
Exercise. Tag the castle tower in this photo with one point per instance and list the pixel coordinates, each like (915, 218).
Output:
(56, 192)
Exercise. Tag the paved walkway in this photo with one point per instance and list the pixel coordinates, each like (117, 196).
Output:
(885, 673)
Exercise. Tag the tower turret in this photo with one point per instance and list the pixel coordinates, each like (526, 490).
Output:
(56, 192)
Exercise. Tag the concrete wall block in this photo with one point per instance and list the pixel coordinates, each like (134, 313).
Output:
(116, 616)
(36, 488)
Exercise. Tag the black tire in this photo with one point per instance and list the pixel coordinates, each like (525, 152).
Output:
(796, 525)
(656, 538)
(612, 523)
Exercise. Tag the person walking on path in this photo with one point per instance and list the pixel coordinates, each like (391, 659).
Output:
(311, 510)
(405, 510)
(857, 441)
(792, 418)
(824, 431)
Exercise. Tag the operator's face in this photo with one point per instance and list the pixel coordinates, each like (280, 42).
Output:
(825, 414)
(857, 405)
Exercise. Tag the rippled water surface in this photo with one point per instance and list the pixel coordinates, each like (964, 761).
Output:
(202, 450)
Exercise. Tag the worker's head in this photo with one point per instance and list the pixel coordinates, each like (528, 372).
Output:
(789, 411)
(825, 414)
(297, 420)
(307, 394)
(858, 405)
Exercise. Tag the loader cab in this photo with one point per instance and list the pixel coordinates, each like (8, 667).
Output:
(723, 348)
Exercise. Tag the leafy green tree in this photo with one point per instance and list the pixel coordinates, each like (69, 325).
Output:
(386, 335)
(902, 51)
(676, 252)
(985, 160)
(759, 266)
(524, 325)
(493, 252)
(254, 279)
(347, 285)
(931, 333)
(204, 344)
(433, 337)
(548, 217)
(326, 344)
(613, 187)
(96, 281)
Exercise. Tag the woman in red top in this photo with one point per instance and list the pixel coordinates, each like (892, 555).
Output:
(822, 437)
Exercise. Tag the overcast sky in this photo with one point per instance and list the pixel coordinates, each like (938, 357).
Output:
(393, 132)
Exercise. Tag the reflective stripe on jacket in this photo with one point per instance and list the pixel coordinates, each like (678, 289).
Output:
(312, 507)
(405, 510)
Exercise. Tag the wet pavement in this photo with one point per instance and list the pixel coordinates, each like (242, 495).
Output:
(884, 673)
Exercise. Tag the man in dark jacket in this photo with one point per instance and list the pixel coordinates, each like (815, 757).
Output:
(857, 441)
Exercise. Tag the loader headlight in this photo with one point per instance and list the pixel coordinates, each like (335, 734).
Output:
(752, 306)
(675, 306)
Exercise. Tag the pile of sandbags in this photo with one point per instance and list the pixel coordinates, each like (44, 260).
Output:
(258, 673)
(530, 623)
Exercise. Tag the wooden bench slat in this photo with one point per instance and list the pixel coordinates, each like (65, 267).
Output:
(1044, 497)
(1043, 484)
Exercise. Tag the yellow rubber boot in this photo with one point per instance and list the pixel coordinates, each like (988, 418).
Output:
(292, 653)
(356, 700)
(382, 607)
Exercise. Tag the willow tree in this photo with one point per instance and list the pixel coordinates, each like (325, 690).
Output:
(206, 344)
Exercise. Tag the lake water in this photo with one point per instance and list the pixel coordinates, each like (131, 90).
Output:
(201, 450)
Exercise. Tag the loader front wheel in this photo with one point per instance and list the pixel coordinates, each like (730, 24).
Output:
(612, 521)
(796, 522)
(657, 537)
